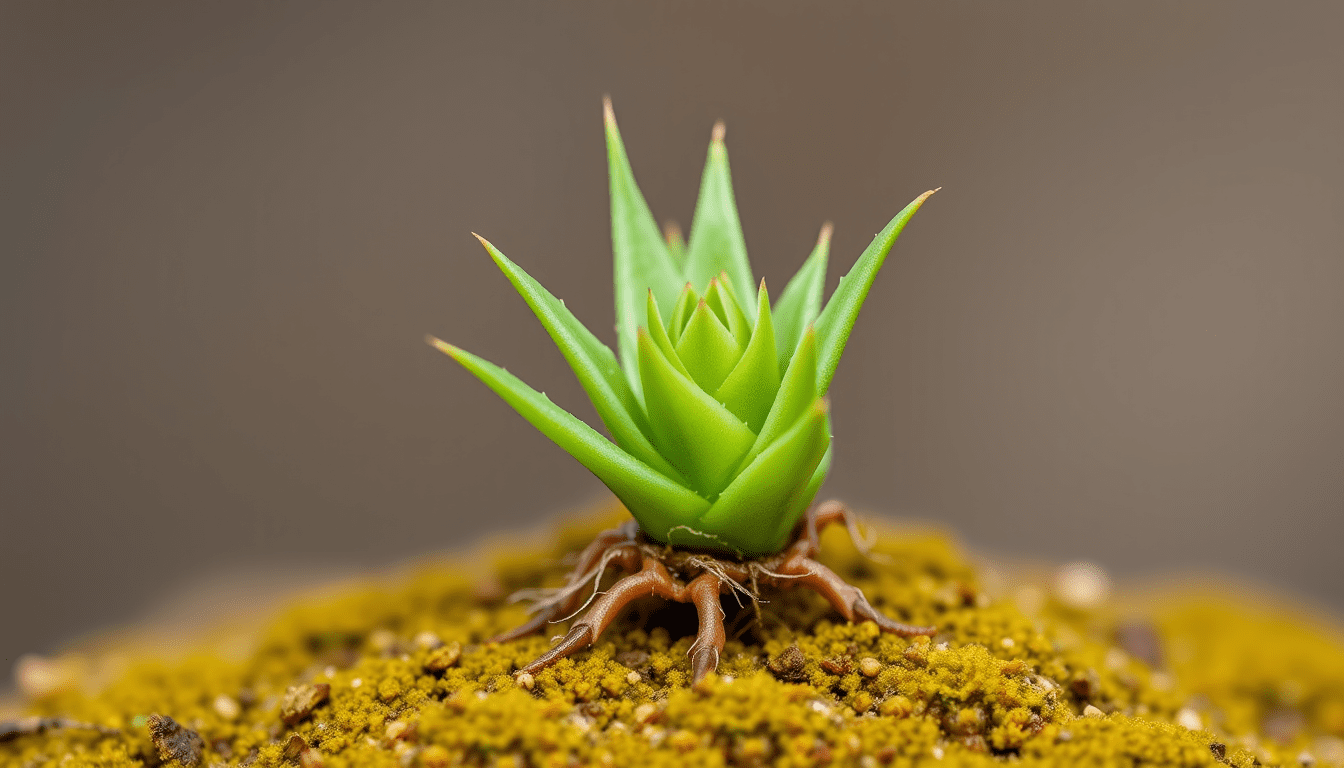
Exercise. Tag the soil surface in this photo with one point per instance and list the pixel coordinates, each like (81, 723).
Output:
(1052, 672)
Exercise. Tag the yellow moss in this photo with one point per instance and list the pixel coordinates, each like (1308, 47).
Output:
(996, 685)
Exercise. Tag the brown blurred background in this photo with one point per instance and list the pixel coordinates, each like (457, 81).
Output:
(225, 229)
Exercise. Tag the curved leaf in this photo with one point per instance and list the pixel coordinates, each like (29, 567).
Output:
(676, 245)
(640, 256)
(800, 502)
(717, 244)
(800, 303)
(659, 334)
(646, 493)
(797, 391)
(707, 349)
(719, 297)
(593, 364)
(747, 512)
(694, 432)
(837, 319)
(750, 389)
(681, 313)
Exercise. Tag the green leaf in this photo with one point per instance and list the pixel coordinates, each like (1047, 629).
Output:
(593, 364)
(707, 349)
(750, 389)
(659, 334)
(654, 500)
(676, 246)
(747, 512)
(799, 503)
(719, 297)
(716, 243)
(681, 313)
(796, 392)
(692, 430)
(837, 319)
(640, 256)
(800, 303)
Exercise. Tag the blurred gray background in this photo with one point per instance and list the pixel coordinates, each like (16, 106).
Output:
(226, 228)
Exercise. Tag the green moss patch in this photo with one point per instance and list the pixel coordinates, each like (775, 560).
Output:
(399, 674)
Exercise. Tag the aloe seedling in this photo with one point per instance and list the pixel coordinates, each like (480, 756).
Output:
(717, 410)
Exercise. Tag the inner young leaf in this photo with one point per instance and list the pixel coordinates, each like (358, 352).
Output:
(707, 348)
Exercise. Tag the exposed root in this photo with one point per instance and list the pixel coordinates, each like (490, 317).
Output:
(699, 579)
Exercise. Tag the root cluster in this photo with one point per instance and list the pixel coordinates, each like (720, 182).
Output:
(691, 577)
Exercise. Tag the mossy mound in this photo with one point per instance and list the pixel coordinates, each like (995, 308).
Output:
(398, 674)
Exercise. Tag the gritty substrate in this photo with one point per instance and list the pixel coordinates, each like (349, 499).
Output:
(398, 674)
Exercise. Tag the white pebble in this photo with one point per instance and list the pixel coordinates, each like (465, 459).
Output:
(1082, 585)
(226, 707)
(1189, 719)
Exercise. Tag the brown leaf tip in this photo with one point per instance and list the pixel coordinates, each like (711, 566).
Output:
(672, 232)
(826, 230)
(717, 134)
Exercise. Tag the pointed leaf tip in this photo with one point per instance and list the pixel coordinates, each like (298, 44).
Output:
(608, 114)
(716, 135)
(826, 230)
(837, 318)
(440, 344)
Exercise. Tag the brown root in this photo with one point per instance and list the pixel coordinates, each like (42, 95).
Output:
(696, 578)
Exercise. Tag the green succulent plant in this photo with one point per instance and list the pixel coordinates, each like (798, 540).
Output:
(717, 408)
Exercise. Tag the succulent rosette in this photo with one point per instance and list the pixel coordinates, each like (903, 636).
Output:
(717, 409)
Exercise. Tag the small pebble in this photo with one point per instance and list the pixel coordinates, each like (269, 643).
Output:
(38, 677)
(428, 641)
(1305, 759)
(444, 657)
(295, 746)
(838, 665)
(646, 713)
(310, 758)
(382, 641)
(789, 666)
(1091, 711)
(1189, 719)
(896, 706)
(301, 700)
(525, 681)
(226, 707)
(1082, 585)
(174, 742)
(870, 666)
(632, 678)
(399, 729)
